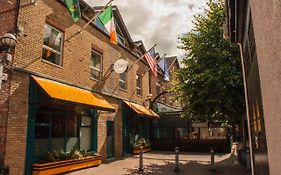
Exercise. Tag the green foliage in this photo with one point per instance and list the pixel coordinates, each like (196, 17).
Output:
(55, 155)
(212, 86)
(142, 142)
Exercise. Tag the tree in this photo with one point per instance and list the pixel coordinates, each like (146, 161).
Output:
(212, 86)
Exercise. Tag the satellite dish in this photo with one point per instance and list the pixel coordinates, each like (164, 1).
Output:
(120, 66)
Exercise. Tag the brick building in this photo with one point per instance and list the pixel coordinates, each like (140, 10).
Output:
(255, 26)
(8, 21)
(64, 93)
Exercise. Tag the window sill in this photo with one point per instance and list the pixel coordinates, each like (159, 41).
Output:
(52, 64)
(95, 79)
(125, 90)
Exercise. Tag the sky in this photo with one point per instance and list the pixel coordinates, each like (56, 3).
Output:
(158, 22)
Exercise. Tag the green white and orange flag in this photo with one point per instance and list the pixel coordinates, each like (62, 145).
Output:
(106, 17)
(73, 8)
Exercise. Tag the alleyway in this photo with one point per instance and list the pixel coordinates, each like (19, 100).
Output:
(156, 163)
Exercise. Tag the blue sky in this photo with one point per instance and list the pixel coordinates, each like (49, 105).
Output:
(157, 21)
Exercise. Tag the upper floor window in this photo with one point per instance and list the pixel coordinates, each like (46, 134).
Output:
(139, 84)
(158, 89)
(52, 45)
(96, 65)
(123, 80)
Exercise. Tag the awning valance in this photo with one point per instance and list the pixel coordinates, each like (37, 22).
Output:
(69, 93)
(142, 110)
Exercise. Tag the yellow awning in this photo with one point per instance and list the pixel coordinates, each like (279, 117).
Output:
(141, 110)
(65, 92)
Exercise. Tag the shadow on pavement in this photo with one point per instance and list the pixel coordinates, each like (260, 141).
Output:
(227, 167)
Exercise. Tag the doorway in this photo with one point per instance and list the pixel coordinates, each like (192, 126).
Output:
(110, 139)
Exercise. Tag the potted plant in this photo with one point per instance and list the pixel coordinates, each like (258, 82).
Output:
(141, 145)
(56, 162)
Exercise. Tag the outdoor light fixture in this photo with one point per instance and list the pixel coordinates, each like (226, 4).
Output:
(8, 41)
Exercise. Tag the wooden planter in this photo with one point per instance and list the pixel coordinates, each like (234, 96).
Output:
(137, 150)
(65, 166)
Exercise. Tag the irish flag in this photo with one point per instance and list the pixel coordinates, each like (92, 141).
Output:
(106, 17)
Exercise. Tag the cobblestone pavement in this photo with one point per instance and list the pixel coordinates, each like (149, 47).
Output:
(156, 163)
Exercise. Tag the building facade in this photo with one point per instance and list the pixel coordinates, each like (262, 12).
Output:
(255, 26)
(8, 20)
(64, 91)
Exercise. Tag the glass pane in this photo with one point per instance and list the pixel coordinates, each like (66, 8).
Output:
(52, 38)
(51, 56)
(71, 126)
(58, 125)
(138, 92)
(57, 144)
(96, 60)
(85, 138)
(42, 118)
(71, 143)
(122, 85)
(86, 121)
(42, 131)
(95, 74)
(122, 76)
(41, 146)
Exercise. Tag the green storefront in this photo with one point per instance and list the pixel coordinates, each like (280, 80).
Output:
(61, 118)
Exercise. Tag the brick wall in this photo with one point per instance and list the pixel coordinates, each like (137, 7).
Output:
(17, 123)
(8, 20)
(76, 56)
(76, 51)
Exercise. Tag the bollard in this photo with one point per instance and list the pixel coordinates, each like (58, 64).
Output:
(141, 161)
(212, 165)
(177, 169)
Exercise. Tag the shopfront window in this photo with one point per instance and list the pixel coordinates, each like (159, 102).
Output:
(86, 133)
(62, 131)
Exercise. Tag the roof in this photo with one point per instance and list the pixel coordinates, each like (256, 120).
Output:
(172, 60)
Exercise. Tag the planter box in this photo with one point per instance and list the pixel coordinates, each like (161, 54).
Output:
(65, 166)
(139, 150)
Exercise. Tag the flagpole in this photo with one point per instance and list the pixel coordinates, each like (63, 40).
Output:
(140, 58)
(172, 64)
(158, 61)
(95, 17)
(91, 20)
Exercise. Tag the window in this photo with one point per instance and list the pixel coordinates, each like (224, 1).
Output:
(96, 65)
(139, 85)
(158, 89)
(123, 80)
(63, 131)
(86, 133)
(52, 45)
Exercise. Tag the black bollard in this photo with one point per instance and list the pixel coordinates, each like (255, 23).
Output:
(141, 161)
(212, 165)
(177, 168)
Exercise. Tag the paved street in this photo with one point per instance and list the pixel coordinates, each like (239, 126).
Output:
(156, 163)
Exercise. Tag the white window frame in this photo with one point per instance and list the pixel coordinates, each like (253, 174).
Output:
(53, 50)
(123, 81)
(139, 89)
(94, 68)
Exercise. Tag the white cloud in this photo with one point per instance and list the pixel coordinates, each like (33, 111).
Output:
(157, 21)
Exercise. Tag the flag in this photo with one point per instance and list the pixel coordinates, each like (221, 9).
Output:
(106, 17)
(73, 8)
(164, 67)
(150, 58)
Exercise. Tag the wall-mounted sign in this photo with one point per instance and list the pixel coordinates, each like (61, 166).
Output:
(120, 66)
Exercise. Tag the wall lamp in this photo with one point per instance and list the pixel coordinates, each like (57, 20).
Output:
(7, 42)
